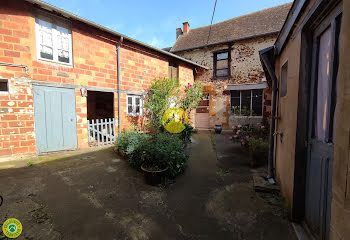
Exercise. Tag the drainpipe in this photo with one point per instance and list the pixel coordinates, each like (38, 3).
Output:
(273, 127)
(118, 79)
(271, 70)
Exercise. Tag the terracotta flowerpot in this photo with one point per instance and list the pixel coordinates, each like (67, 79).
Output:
(153, 177)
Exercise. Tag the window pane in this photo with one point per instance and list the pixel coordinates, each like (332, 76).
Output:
(322, 104)
(235, 94)
(129, 100)
(46, 52)
(284, 79)
(245, 107)
(129, 109)
(138, 109)
(222, 73)
(235, 102)
(222, 64)
(221, 56)
(137, 99)
(257, 102)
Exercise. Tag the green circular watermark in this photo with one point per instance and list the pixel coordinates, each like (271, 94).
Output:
(12, 228)
(174, 120)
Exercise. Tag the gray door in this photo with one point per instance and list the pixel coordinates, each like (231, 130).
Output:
(320, 142)
(55, 119)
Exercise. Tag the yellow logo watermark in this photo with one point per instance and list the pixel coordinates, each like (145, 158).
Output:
(174, 120)
(12, 228)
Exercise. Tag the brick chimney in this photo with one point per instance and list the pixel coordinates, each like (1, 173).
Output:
(186, 27)
(178, 32)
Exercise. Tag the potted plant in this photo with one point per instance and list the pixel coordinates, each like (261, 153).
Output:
(154, 163)
(258, 151)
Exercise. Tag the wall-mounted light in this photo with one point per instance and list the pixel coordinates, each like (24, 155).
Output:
(83, 92)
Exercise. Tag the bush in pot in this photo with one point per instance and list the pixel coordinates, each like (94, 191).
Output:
(258, 149)
(163, 156)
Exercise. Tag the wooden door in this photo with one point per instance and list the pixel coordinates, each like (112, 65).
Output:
(55, 119)
(321, 125)
(202, 113)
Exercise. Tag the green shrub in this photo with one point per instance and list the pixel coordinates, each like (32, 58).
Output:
(171, 148)
(154, 151)
(186, 134)
(129, 143)
(259, 148)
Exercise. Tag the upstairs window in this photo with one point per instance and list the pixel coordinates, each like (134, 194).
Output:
(222, 64)
(173, 71)
(247, 102)
(134, 105)
(53, 41)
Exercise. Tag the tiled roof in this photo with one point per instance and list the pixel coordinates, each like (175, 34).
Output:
(247, 26)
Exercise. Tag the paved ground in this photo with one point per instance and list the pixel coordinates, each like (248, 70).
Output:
(96, 195)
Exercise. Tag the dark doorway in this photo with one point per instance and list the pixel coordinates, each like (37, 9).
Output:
(100, 105)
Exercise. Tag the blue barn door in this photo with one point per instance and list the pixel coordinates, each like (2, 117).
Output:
(55, 119)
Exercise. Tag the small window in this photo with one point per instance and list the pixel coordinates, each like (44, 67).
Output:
(284, 80)
(173, 71)
(54, 41)
(4, 87)
(247, 102)
(134, 105)
(222, 64)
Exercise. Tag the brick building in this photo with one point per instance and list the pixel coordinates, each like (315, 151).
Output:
(235, 85)
(58, 70)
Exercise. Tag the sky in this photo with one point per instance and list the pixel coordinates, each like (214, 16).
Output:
(155, 21)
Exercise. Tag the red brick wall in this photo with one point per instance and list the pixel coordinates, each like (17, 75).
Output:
(94, 65)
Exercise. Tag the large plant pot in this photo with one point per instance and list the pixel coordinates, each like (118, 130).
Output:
(258, 159)
(154, 177)
(218, 129)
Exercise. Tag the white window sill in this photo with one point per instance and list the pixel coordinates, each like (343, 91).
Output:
(54, 63)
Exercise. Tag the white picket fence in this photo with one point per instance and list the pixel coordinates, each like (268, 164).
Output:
(101, 131)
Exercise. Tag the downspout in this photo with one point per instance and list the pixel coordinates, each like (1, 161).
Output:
(118, 80)
(272, 74)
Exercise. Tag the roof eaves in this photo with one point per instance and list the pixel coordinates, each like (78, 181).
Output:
(67, 14)
(225, 42)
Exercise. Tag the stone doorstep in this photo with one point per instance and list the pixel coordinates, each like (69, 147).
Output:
(301, 233)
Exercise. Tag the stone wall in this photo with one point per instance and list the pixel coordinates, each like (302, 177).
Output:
(245, 68)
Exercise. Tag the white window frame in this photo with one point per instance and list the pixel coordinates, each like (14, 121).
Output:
(251, 103)
(133, 104)
(55, 23)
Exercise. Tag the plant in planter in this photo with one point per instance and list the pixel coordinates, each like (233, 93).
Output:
(253, 139)
(258, 150)
(163, 156)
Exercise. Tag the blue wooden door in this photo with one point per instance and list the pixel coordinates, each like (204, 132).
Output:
(55, 119)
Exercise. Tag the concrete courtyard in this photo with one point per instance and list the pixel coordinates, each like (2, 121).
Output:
(94, 194)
